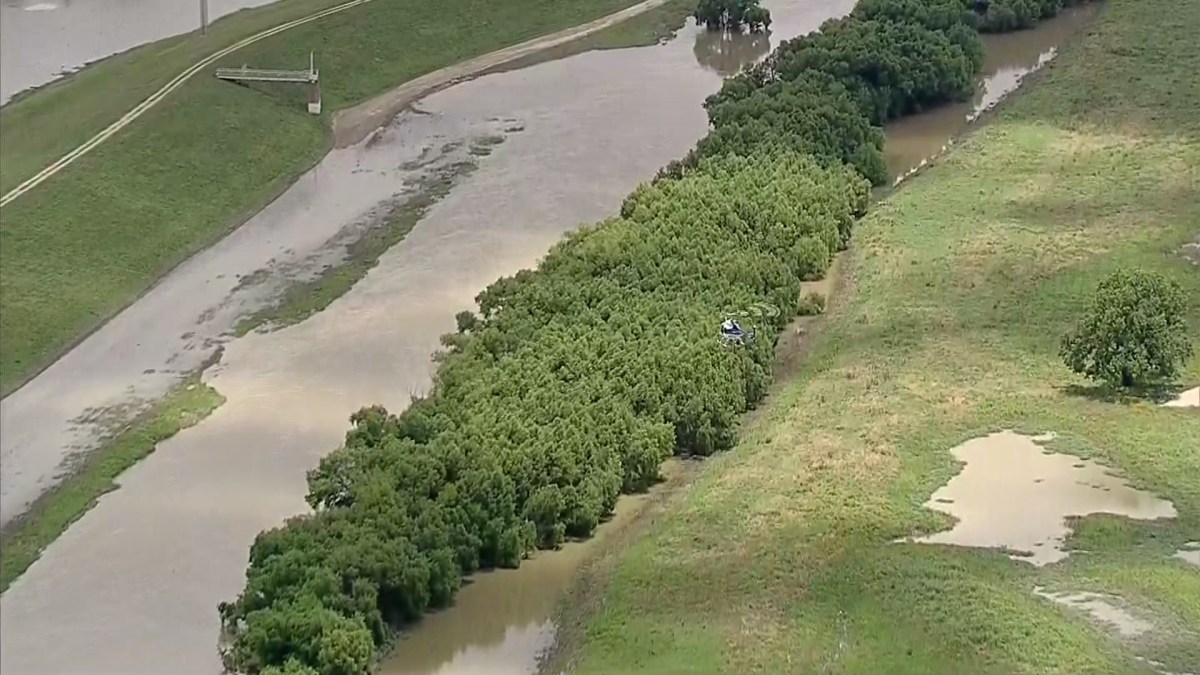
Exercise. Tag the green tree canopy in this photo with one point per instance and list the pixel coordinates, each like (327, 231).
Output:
(1134, 332)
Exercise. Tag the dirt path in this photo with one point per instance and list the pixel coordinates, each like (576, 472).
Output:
(353, 124)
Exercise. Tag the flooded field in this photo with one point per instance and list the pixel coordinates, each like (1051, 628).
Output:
(510, 612)
(569, 138)
(1014, 495)
(43, 39)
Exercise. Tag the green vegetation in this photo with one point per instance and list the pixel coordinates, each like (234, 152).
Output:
(574, 383)
(1135, 331)
(781, 560)
(78, 248)
(826, 93)
(24, 539)
(578, 379)
(733, 15)
(41, 125)
(1005, 15)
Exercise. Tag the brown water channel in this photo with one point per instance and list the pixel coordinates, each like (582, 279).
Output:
(913, 141)
(153, 558)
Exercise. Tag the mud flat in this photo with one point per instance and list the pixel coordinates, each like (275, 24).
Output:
(1013, 495)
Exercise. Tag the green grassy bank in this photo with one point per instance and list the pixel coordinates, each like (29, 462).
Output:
(24, 538)
(779, 559)
(81, 245)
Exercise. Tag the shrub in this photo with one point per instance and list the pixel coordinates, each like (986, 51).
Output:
(1134, 332)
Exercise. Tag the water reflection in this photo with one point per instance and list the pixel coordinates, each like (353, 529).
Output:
(726, 53)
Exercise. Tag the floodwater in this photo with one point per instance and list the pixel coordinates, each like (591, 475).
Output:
(1102, 609)
(1012, 494)
(153, 558)
(913, 141)
(1187, 399)
(501, 620)
(41, 40)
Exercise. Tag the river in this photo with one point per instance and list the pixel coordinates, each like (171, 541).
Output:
(132, 586)
(41, 40)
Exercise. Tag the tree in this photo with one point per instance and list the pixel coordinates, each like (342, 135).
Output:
(1134, 332)
(732, 15)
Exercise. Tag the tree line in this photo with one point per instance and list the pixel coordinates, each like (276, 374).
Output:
(574, 381)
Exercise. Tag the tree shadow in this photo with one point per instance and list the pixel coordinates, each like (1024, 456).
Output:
(1157, 393)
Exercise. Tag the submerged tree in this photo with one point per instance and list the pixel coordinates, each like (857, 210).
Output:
(733, 15)
(1135, 331)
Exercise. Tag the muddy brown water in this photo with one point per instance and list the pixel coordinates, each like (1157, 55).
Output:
(913, 141)
(153, 558)
(1012, 494)
(1190, 553)
(43, 39)
(501, 621)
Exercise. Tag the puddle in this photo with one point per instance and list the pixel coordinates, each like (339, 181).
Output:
(1101, 609)
(1191, 251)
(913, 141)
(1190, 553)
(1014, 495)
(1188, 399)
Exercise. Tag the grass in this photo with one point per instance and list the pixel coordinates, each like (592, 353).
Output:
(780, 557)
(40, 125)
(24, 538)
(649, 28)
(86, 242)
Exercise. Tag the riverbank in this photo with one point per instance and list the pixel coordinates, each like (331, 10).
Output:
(93, 237)
(782, 558)
(570, 156)
(25, 537)
(308, 285)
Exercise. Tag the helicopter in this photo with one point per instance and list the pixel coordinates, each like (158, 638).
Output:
(732, 334)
